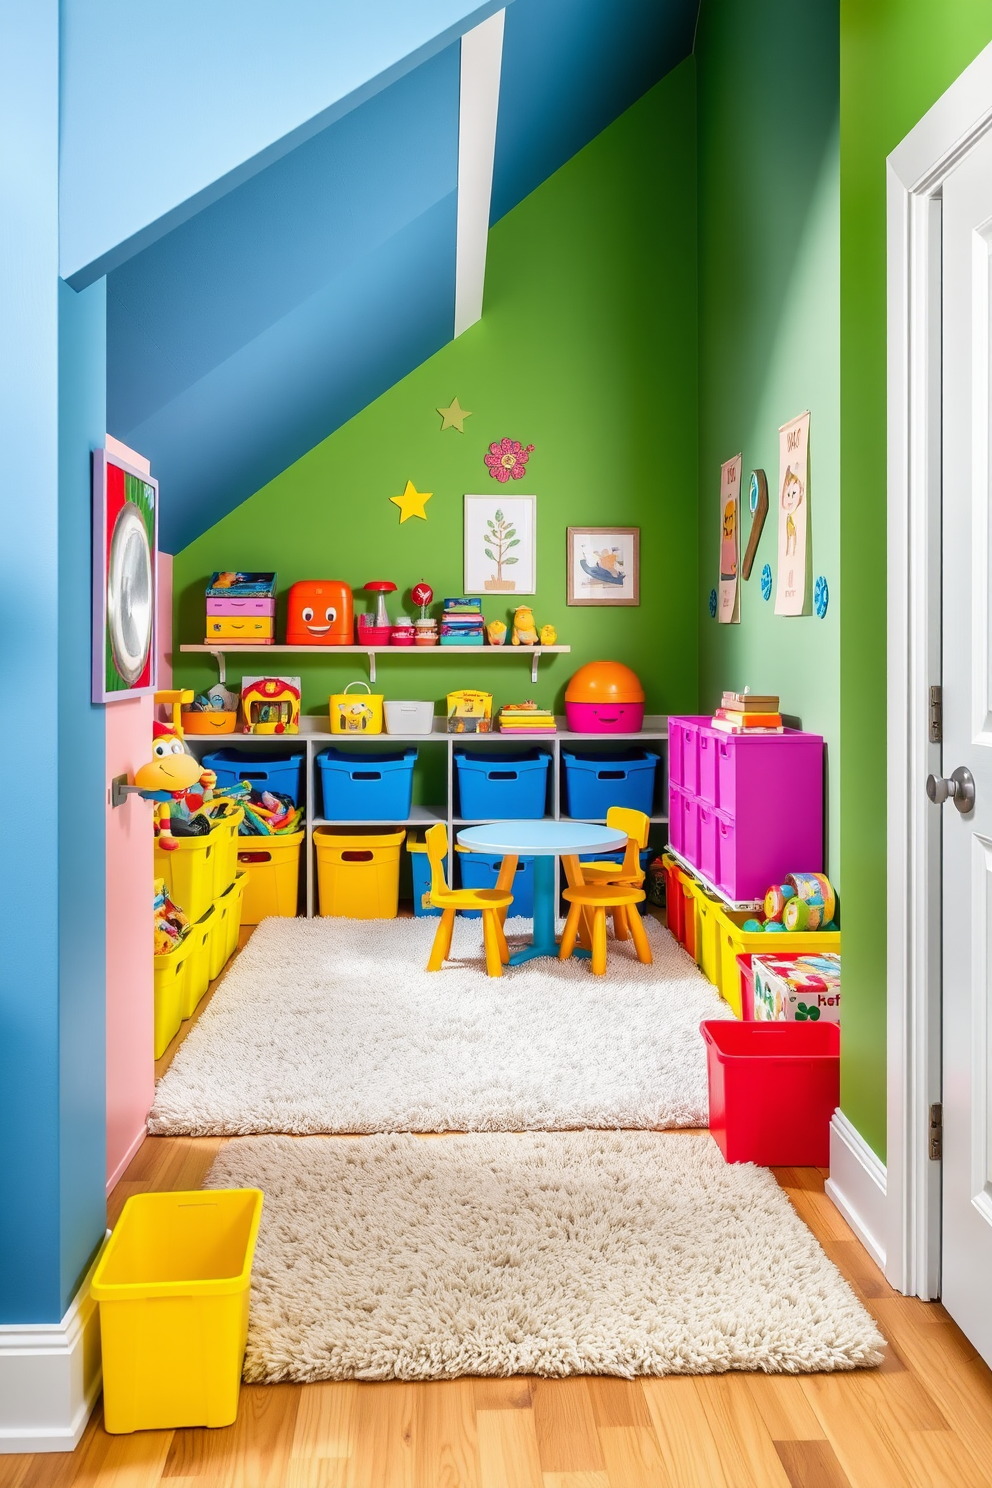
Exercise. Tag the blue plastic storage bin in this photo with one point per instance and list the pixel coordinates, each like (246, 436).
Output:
(477, 871)
(420, 869)
(366, 787)
(263, 769)
(595, 781)
(502, 787)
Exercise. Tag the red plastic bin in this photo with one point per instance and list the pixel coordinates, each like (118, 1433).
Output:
(674, 903)
(773, 1089)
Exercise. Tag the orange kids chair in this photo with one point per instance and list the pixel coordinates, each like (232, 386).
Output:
(629, 873)
(490, 901)
(594, 901)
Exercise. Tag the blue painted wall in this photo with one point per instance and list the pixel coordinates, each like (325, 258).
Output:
(570, 67)
(251, 332)
(167, 107)
(51, 984)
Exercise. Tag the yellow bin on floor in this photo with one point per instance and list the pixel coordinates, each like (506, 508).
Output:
(197, 978)
(707, 936)
(173, 1288)
(225, 836)
(218, 941)
(188, 870)
(170, 995)
(735, 941)
(273, 867)
(358, 873)
(234, 899)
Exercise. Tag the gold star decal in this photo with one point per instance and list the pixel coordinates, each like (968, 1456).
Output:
(454, 417)
(412, 502)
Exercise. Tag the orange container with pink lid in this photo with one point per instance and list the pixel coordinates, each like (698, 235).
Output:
(604, 697)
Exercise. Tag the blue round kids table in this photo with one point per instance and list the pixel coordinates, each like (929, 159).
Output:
(543, 841)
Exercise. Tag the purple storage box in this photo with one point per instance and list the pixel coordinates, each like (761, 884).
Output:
(676, 818)
(255, 605)
(674, 756)
(760, 812)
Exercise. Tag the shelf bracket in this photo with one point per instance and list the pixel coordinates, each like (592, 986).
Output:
(533, 665)
(371, 656)
(219, 658)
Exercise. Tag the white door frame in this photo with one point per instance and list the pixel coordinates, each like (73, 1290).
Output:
(916, 171)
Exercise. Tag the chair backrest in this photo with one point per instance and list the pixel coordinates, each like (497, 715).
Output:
(437, 850)
(637, 826)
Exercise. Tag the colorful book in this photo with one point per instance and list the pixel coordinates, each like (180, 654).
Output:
(230, 584)
(750, 702)
(749, 720)
(735, 728)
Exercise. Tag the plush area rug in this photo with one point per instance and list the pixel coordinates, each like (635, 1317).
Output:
(333, 1025)
(623, 1253)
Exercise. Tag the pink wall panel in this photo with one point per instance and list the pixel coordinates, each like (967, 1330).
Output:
(163, 616)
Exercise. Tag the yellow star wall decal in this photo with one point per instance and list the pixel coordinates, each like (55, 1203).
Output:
(454, 416)
(412, 502)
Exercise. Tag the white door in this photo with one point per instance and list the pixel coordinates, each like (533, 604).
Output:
(966, 1266)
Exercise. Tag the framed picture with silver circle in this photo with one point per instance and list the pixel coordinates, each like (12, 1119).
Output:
(125, 587)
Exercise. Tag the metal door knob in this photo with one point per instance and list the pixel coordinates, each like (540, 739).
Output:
(959, 787)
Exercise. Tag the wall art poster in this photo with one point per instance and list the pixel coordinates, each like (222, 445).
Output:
(501, 544)
(603, 566)
(125, 553)
(793, 512)
(728, 609)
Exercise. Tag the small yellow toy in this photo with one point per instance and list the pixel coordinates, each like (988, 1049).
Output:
(548, 635)
(524, 629)
(496, 631)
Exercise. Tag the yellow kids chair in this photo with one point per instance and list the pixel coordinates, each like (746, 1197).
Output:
(629, 873)
(490, 901)
(593, 901)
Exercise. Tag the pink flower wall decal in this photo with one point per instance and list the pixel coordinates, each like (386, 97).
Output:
(507, 459)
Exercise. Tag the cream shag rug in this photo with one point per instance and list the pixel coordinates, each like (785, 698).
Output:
(332, 1025)
(623, 1253)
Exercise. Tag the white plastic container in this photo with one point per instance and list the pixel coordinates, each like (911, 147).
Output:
(409, 718)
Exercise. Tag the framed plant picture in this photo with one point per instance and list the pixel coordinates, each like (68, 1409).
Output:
(604, 566)
(501, 544)
(125, 554)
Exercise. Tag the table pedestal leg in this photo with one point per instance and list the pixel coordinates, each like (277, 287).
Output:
(544, 942)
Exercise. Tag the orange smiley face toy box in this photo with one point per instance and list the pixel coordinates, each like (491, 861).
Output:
(320, 613)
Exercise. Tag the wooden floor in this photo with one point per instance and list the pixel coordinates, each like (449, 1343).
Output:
(924, 1419)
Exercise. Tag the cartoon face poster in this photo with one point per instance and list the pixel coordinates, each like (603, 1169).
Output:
(793, 511)
(728, 610)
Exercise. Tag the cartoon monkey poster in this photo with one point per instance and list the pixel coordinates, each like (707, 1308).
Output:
(793, 514)
(728, 610)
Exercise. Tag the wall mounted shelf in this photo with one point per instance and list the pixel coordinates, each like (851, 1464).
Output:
(220, 653)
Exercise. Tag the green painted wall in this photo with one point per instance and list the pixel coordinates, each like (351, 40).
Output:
(897, 58)
(587, 349)
(769, 336)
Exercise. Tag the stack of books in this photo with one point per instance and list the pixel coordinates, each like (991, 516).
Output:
(241, 609)
(462, 623)
(526, 718)
(747, 713)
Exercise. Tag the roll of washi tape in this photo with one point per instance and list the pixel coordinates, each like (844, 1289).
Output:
(776, 899)
(815, 886)
(774, 925)
(803, 914)
(752, 926)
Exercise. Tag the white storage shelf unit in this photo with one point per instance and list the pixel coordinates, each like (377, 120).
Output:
(313, 738)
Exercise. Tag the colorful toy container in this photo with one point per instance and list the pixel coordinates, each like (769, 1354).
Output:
(170, 1000)
(366, 787)
(354, 714)
(197, 978)
(173, 1287)
(277, 771)
(273, 868)
(773, 1090)
(594, 781)
(604, 697)
(358, 873)
(502, 786)
(320, 612)
(188, 872)
(735, 942)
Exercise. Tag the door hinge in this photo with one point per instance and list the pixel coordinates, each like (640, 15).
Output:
(936, 716)
(936, 1132)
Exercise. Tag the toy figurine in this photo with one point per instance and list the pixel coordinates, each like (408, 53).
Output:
(496, 631)
(524, 629)
(548, 635)
(168, 779)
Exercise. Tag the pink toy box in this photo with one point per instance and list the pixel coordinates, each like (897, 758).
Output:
(256, 605)
(749, 808)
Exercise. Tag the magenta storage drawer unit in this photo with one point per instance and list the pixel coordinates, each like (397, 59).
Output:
(258, 605)
(750, 808)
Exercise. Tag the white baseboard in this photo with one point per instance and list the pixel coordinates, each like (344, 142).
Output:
(857, 1185)
(50, 1377)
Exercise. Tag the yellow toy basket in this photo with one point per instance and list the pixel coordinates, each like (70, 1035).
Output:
(707, 937)
(234, 899)
(197, 978)
(173, 1286)
(170, 993)
(735, 941)
(226, 820)
(358, 873)
(188, 871)
(273, 868)
(356, 715)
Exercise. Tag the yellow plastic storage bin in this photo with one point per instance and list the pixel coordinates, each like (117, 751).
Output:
(707, 936)
(173, 1287)
(170, 994)
(197, 978)
(734, 942)
(273, 867)
(692, 891)
(358, 873)
(188, 871)
(234, 900)
(218, 941)
(225, 856)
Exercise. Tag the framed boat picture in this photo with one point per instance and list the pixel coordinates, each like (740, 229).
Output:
(125, 553)
(603, 566)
